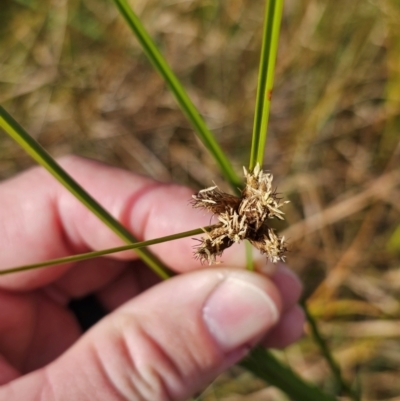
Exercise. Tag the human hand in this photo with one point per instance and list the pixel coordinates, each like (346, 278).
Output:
(160, 343)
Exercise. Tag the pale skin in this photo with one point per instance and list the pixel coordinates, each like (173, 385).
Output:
(160, 340)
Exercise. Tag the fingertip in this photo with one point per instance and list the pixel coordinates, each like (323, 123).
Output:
(165, 210)
(241, 308)
(288, 284)
(289, 329)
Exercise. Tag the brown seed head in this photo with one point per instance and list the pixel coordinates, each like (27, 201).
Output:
(242, 218)
(214, 200)
(212, 245)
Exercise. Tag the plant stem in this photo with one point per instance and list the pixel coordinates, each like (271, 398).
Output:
(272, 22)
(335, 368)
(179, 92)
(265, 366)
(95, 254)
(38, 153)
(249, 256)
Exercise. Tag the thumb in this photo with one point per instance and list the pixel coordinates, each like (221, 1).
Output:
(166, 344)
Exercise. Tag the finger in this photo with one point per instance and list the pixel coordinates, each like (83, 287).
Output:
(133, 281)
(7, 371)
(289, 329)
(288, 284)
(65, 226)
(86, 277)
(34, 331)
(137, 352)
(129, 284)
(291, 325)
(41, 220)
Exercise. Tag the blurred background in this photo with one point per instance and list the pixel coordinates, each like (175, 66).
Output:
(74, 76)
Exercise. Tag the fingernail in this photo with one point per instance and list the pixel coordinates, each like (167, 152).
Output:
(237, 312)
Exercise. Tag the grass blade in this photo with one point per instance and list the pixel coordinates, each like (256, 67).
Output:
(103, 252)
(265, 366)
(272, 23)
(179, 92)
(261, 362)
(38, 153)
(249, 256)
(341, 384)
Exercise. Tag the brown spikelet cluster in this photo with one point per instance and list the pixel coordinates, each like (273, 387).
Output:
(242, 218)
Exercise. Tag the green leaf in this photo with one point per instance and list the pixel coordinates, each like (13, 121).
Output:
(341, 384)
(179, 92)
(34, 149)
(393, 244)
(272, 23)
(103, 252)
(264, 365)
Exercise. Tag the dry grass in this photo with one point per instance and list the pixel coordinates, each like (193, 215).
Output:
(72, 74)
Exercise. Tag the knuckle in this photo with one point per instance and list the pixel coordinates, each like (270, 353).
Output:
(140, 368)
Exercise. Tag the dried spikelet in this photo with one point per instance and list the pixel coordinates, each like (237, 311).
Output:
(242, 218)
(258, 191)
(214, 200)
(212, 245)
(235, 225)
(272, 245)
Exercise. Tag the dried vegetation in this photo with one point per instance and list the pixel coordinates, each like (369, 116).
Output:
(72, 74)
(242, 218)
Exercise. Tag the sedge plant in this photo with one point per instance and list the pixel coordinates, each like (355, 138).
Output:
(260, 362)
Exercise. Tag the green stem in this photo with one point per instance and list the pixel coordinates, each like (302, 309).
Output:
(265, 366)
(179, 92)
(272, 22)
(34, 149)
(95, 254)
(335, 368)
(249, 256)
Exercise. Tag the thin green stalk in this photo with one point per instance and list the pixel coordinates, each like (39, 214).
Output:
(272, 23)
(34, 149)
(179, 92)
(335, 368)
(103, 252)
(261, 362)
(264, 365)
(249, 256)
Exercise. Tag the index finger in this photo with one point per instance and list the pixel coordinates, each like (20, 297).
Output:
(41, 220)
